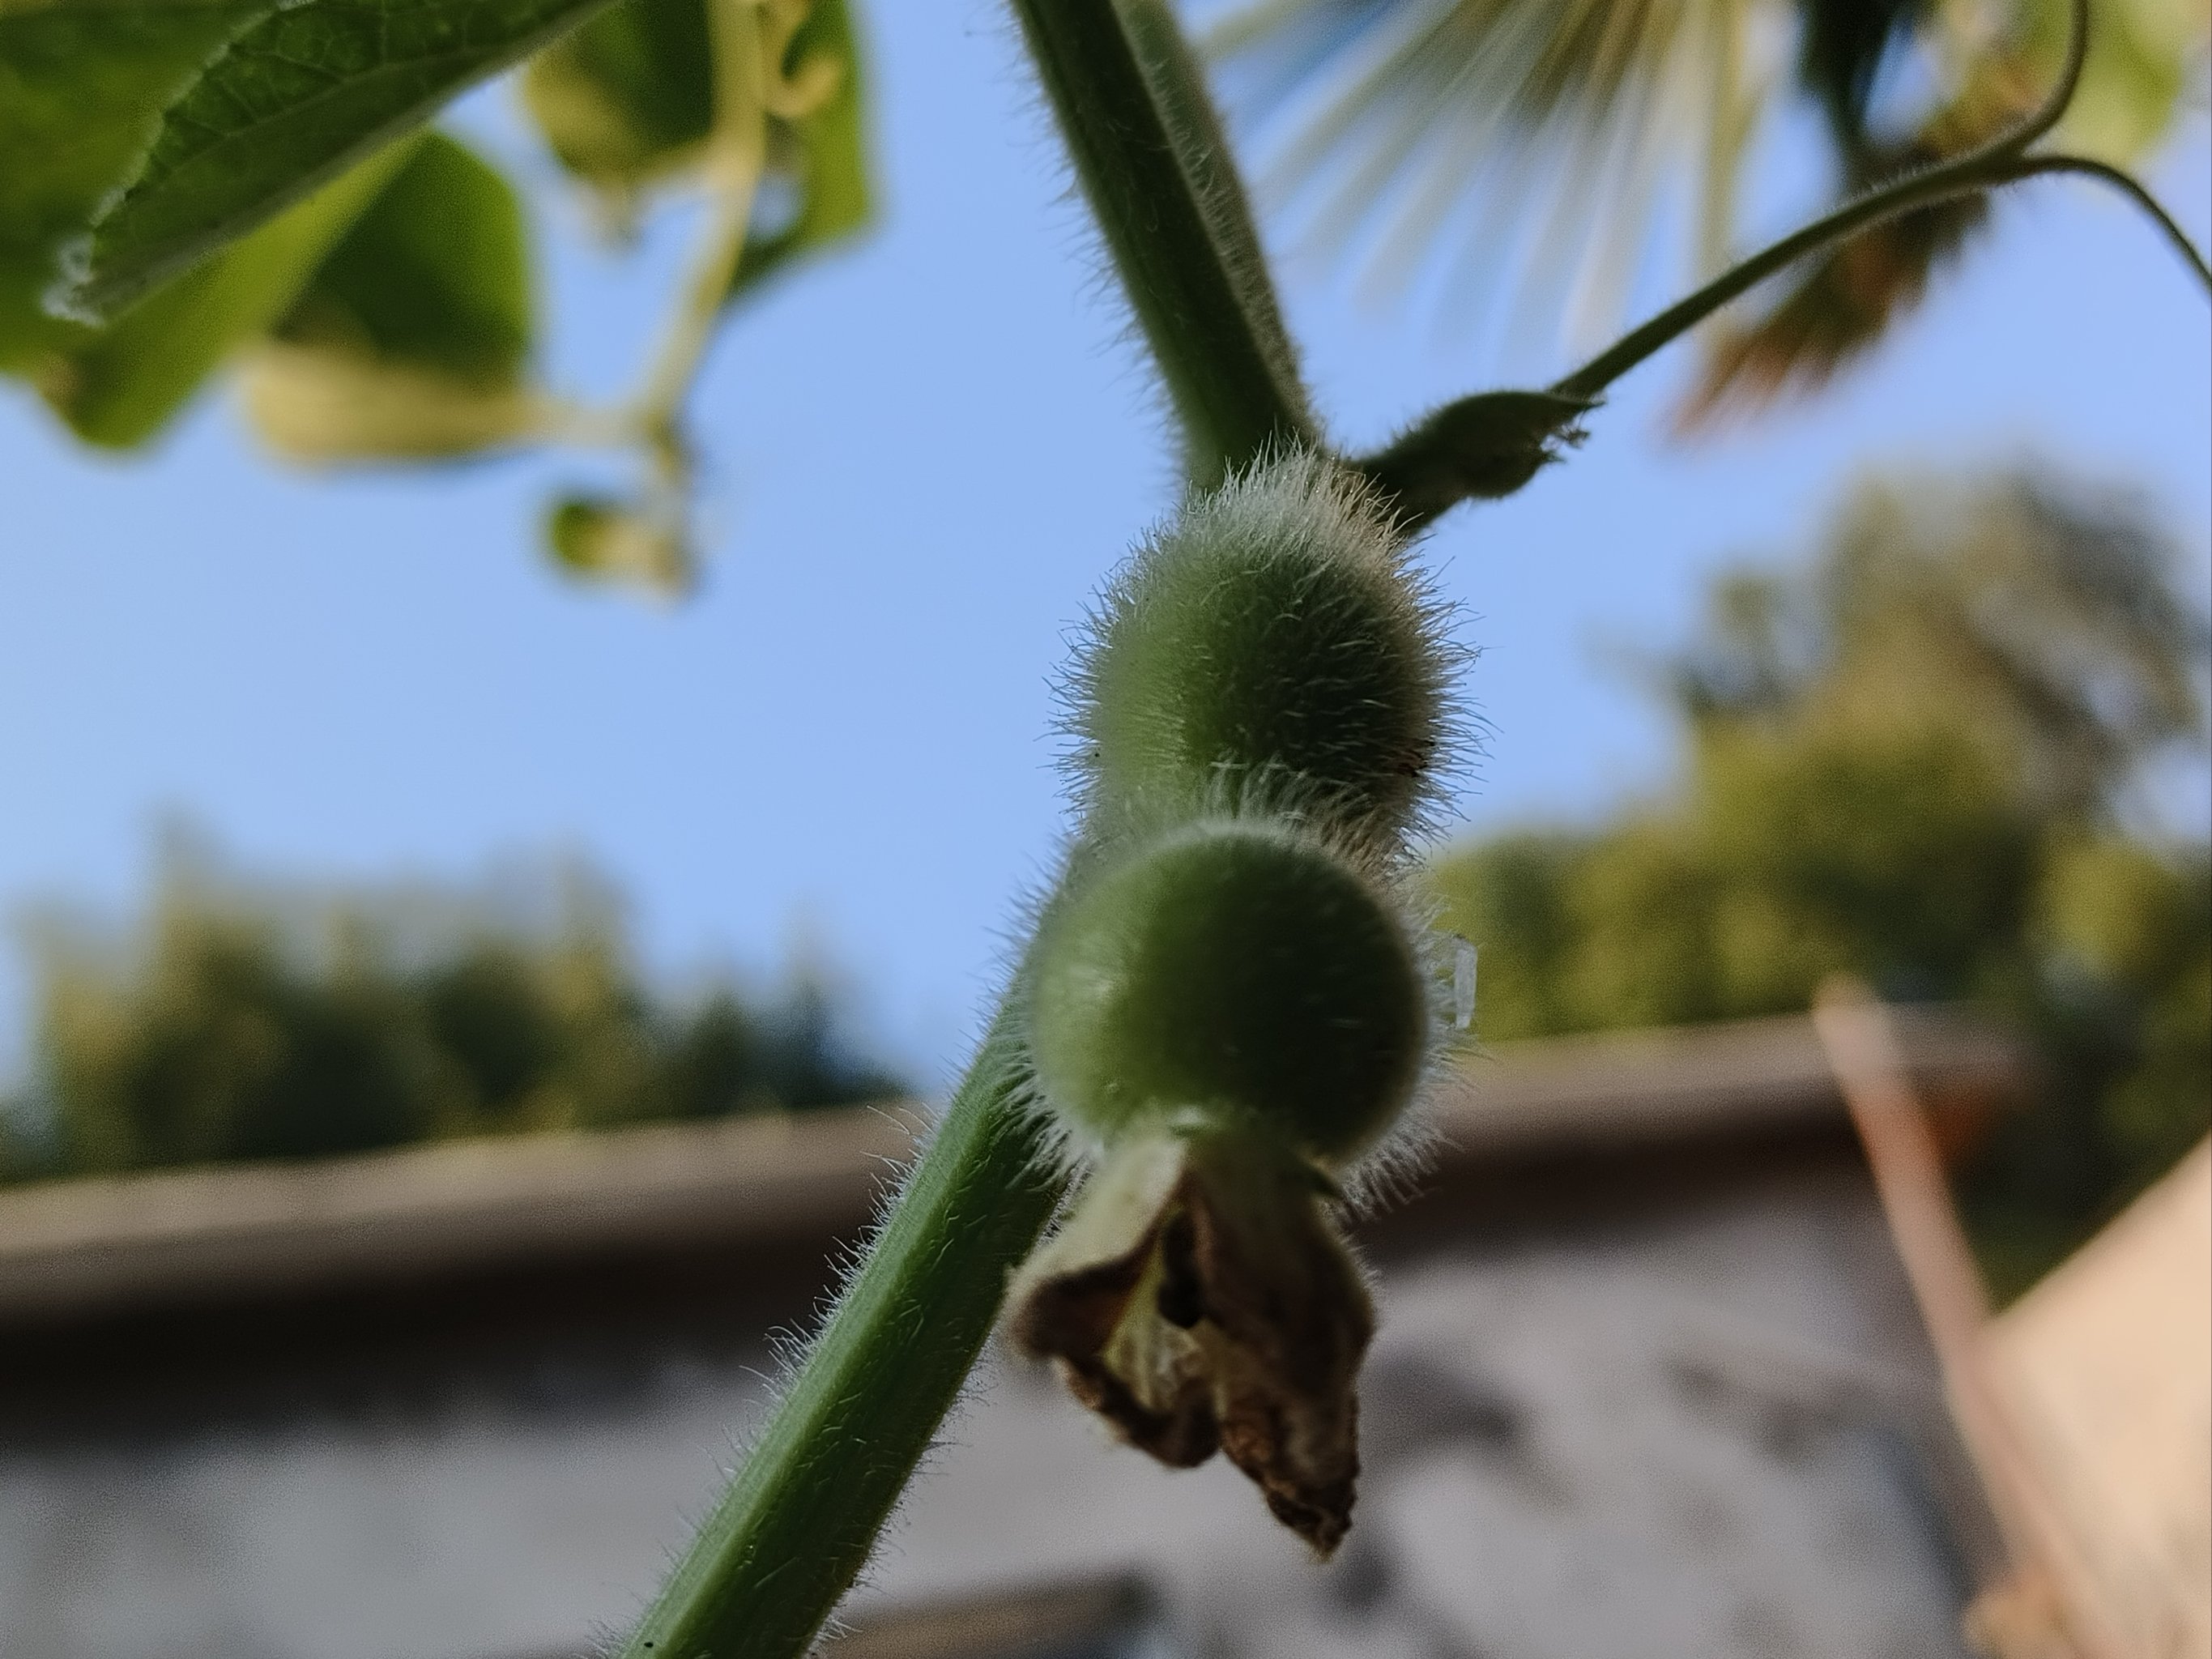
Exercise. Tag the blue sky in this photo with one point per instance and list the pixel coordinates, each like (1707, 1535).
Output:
(926, 454)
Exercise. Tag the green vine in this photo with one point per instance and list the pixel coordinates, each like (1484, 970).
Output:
(1491, 444)
(797, 1523)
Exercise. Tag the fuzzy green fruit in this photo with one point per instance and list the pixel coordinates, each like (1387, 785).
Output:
(1233, 969)
(1271, 633)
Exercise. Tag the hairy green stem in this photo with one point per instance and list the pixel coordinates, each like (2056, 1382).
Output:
(1493, 443)
(2030, 166)
(1891, 202)
(795, 1527)
(1977, 169)
(2002, 160)
(1148, 148)
(799, 1520)
(797, 1523)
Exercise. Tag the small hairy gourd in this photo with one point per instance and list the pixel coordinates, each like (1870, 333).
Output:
(1235, 974)
(1271, 631)
(1229, 1013)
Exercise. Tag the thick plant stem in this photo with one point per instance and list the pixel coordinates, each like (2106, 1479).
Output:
(1148, 148)
(797, 1523)
(796, 1526)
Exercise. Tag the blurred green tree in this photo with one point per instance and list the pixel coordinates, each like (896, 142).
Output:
(1919, 760)
(241, 1021)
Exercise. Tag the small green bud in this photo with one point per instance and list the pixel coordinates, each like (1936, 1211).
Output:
(1270, 630)
(1235, 971)
(1481, 448)
(602, 538)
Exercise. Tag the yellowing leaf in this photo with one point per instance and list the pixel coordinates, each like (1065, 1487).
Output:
(412, 339)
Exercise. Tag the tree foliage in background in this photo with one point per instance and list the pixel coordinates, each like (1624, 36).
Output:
(1918, 760)
(246, 1021)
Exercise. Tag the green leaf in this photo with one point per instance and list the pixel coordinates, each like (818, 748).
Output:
(83, 84)
(120, 384)
(629, 99)
(287, 105)
(818, 164)
(2143, 55)
(629, 96)
(436, 272)
(413, 336)
(321, 408)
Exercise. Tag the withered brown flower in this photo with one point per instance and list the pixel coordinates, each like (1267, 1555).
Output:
(1199, 1298)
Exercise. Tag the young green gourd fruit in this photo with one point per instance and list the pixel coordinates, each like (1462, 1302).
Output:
(1233, 973)
(1227, 1014)
(1273, 629)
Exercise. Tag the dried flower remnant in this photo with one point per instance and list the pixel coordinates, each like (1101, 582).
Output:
(1228, 1015)
(1199, 1300)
